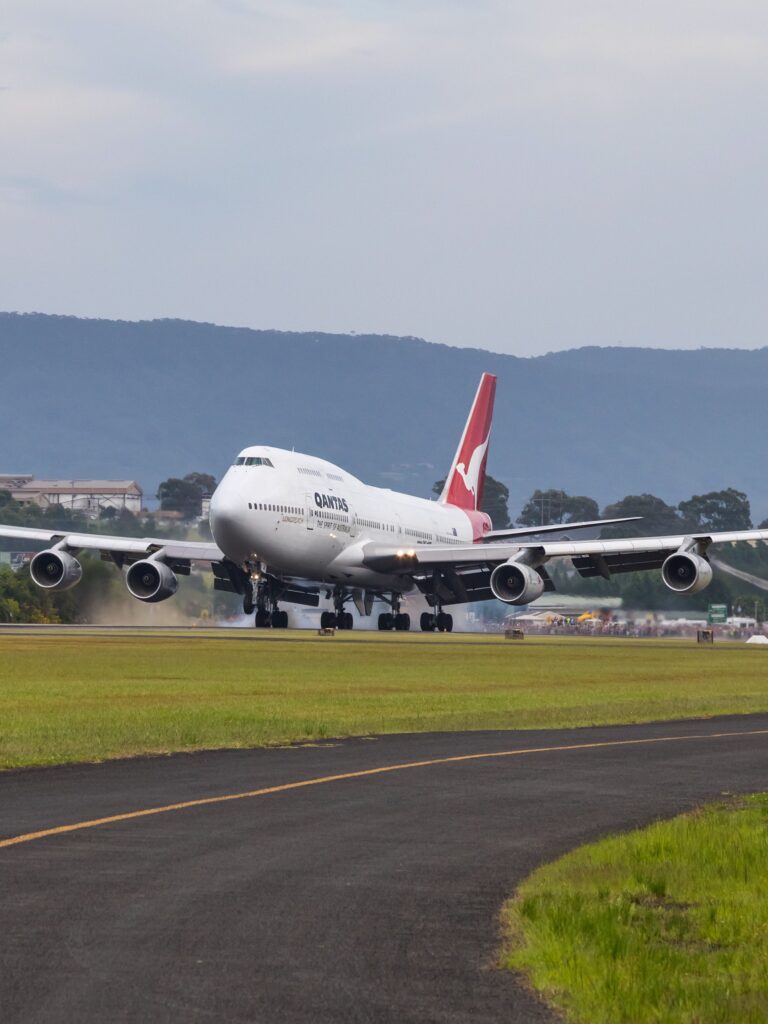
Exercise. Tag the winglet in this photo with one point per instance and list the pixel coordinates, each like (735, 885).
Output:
(464, 484)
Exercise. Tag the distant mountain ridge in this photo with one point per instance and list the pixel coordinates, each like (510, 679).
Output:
(150, 399)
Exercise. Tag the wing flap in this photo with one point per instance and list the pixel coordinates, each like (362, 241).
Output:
(590, 566)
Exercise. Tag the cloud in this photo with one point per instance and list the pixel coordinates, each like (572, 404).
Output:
(497, 172)
(303, 52)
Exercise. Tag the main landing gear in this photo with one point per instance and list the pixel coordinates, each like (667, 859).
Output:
(338, 618)
(397, 620)
(442, 622)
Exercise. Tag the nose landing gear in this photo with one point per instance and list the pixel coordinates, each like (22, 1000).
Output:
(264, 598)
(248, 597)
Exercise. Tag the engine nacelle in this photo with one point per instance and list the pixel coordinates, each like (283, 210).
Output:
(686, 573)
(151, 581)
(55, 570)
(514, 583)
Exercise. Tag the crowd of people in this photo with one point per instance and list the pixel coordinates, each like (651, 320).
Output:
(611, 626)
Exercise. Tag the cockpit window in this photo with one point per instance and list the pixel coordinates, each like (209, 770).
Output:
(252, 461)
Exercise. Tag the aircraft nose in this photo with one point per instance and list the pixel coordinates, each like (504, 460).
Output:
(226, 519)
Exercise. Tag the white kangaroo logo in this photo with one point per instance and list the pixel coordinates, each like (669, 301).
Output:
(471, 476)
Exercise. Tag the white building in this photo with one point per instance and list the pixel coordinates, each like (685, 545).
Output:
(84, 495)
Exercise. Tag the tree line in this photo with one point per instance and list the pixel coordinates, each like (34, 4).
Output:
(716, 511)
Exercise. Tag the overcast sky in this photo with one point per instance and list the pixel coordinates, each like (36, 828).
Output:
(514, 176)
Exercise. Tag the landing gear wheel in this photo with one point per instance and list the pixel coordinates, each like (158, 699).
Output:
(262, 618)
(327, 620)
(248, 606)
(444, 622)
(338, 617)
(427, 622)
(279, 619)
(386, 621)
(403, 622)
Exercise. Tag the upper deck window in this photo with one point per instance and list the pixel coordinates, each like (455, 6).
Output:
(252, 461)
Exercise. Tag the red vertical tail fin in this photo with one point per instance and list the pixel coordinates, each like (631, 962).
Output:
(464, 484)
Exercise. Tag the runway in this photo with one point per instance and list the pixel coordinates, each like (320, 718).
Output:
(352, 881)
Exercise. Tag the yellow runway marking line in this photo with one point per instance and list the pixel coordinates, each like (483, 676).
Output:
(147, 812)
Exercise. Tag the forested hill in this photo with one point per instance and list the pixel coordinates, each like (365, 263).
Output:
(148, 400)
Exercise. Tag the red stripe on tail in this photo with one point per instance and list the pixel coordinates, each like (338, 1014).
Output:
(464, 484)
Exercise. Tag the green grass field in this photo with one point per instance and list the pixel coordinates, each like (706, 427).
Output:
(90, 696)
(666, 925)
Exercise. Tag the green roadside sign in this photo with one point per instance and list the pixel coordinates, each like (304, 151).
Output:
(717, 614)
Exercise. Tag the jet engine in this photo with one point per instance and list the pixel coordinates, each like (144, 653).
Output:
(151, 581)
(55, 570)
(686, 573)
(515, 583)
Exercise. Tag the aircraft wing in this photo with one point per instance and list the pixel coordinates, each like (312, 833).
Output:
(462, 572)
(176, 554)
(120, 549)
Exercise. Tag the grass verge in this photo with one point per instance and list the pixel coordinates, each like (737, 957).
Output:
(66, 697)
(668, 924)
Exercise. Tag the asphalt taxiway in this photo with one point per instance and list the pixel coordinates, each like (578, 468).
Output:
(351, 881)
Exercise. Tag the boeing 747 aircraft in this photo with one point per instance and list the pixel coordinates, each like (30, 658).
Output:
(289, 528)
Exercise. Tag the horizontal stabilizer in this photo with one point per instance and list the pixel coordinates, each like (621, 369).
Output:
(564, 528)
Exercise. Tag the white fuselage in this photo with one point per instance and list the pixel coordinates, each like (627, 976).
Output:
(304, 517)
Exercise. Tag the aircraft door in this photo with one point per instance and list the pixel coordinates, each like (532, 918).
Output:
(309, 514)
